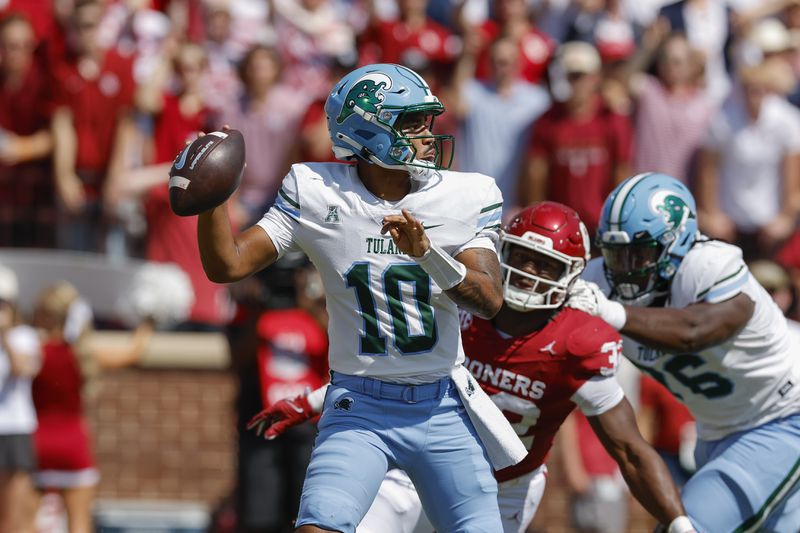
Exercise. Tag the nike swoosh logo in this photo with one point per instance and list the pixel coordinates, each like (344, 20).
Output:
(431, 227)
(293, 406)
(182, 160)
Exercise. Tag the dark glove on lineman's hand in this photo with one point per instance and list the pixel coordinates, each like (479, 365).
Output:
(280, 416)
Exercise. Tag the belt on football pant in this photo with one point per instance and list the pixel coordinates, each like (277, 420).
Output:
(384, 390)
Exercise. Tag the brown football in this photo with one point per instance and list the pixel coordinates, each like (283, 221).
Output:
(206, 172)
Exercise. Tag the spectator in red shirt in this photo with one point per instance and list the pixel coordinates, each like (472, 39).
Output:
(38, 12)
(26, 196)
(385, 41)
(91, 125)
(581, 149)
(513, 20)
(70, 361)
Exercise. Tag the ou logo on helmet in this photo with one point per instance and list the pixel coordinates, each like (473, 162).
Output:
(671, 207)
(366, 93)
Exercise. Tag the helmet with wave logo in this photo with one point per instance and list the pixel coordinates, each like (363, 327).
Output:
(375, 111)
(647, 226)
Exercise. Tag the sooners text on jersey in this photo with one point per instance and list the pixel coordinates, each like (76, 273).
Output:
(532, 378)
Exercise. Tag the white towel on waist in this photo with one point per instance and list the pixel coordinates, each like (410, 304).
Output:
(498, 437)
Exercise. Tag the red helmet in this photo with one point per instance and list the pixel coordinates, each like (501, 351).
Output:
(555, 231)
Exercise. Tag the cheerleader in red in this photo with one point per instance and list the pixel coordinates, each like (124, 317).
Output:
(63, 443)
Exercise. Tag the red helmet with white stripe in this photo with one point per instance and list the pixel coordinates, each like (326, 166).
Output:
(542, 251)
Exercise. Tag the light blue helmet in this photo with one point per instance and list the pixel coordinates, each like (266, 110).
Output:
(365, 107)
(648, 225)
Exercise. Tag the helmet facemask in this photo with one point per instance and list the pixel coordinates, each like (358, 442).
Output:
(402, 154)
(639, 272)
(524, 291)
(416, 123)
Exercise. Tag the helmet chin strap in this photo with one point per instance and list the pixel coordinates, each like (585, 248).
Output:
(522, 301)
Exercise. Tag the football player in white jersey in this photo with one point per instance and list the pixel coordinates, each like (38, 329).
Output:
(399, 241)
(693, 317)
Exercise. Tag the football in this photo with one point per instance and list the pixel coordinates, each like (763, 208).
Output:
(206, 172)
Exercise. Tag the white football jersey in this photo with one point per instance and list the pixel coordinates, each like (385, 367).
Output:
(388, 319)
(746, 381)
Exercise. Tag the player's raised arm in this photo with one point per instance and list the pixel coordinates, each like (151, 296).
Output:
(225, 257)
(644, 471)
(202, 178)
(472, 280)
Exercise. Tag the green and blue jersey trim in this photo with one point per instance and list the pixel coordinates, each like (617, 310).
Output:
(489, 217)
(287, 205)
(726, 287)
(292, 202)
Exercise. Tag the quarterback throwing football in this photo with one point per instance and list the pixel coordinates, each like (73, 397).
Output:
(399, 241)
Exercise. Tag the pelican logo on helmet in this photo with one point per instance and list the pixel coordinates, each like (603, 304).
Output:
(366, 94)
(672, 207)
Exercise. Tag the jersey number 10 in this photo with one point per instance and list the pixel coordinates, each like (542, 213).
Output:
(372, 342)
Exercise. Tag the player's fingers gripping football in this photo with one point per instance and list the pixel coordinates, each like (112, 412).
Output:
(407, 233)
(280, 416)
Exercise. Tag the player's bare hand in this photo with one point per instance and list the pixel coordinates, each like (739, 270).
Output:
(407, 233)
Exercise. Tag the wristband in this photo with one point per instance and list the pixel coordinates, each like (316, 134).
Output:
(316, 398)
(682, 524)
(614, 313)
(442, 267)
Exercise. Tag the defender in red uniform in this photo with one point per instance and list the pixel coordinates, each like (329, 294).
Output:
(538, 360)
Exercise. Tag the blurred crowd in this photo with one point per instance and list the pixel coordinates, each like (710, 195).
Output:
(555, 99)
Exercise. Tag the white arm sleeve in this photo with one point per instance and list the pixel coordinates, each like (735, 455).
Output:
(598, 395)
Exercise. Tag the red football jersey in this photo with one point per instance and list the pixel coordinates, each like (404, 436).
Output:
(533, 378)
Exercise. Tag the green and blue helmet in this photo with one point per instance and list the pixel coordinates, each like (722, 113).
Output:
(647, 226)
(364, 112)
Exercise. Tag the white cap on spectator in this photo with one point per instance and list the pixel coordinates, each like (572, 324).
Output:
(577, 56)
(9, 286)
(771, 36)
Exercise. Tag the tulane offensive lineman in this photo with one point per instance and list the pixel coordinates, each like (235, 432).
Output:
(399, 241)
(693, 317)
